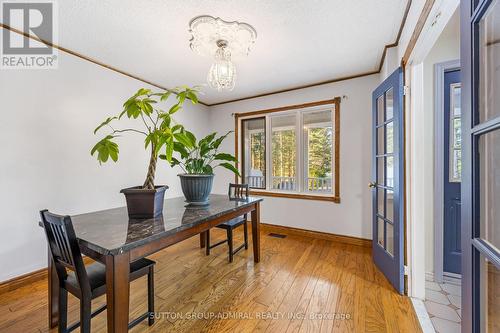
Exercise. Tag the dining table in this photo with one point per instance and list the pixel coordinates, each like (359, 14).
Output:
(115, 240)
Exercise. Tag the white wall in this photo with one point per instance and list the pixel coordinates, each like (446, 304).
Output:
(446, 48)
(352, 216)
(48, 117)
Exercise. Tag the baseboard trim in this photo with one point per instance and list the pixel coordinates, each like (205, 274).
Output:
(23, 280)
(317, 234)
(28, 278)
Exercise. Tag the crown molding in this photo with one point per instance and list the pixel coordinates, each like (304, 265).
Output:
(84, 57)
(117, 70)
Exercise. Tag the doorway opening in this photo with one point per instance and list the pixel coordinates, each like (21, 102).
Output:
(442, 93)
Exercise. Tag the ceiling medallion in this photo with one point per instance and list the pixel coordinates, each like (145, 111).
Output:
(222, 40)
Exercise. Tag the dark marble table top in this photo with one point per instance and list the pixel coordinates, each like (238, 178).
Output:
(111, 231)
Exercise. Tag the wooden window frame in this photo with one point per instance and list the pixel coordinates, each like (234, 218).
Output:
(239, 146)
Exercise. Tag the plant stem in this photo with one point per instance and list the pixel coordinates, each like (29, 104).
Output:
(149, 183)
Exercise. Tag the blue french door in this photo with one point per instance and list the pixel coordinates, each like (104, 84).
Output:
(388, 179)
(480, 58)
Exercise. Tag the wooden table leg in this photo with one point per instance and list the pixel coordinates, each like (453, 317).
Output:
(53, 290)
(117, 291)
(256, 232)
(202, 239)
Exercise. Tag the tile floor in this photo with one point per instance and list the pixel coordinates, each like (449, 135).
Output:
(443, 305)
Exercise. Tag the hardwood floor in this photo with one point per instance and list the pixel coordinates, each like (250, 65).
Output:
(302, 284)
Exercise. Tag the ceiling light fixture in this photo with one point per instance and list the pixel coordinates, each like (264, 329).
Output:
(214, 37)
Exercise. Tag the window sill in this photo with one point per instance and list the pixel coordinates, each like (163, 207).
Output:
(304, 196)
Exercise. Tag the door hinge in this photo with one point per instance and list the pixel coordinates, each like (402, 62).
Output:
(406, 90)
(406, 270)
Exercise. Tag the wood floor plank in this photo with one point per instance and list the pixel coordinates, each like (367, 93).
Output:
(298, 277)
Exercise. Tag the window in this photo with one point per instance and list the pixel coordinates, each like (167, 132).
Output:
(455, 134)
(291, 151)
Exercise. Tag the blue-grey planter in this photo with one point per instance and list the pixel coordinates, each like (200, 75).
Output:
(196, 188)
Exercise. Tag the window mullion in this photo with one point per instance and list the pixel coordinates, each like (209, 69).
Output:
(269, 160)
(299, 152)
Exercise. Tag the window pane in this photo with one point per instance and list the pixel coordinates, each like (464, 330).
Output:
(390, 172)
(389, 238)
(380, 170)
(455, 149)
(254, 155)
(489, 296)
(380, 140)
(389, 138)
(380, 201)
(389, 101)
(283, 150)
(380, 110)
(489, 63)
(489, 184)
(390, 206)
(318, 153)
(380, 232)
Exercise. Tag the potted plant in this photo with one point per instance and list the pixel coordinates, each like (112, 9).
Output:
(159, 130)
(196, 158)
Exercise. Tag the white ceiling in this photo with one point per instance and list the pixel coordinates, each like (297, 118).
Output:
(298, 42)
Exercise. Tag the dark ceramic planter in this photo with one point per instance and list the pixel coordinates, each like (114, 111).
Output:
(144, 204)
(196, 188)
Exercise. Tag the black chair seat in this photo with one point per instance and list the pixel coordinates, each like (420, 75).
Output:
(232, 223)
(96, 273)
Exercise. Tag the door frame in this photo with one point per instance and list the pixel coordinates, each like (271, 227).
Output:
(439, 70)
(417, 188)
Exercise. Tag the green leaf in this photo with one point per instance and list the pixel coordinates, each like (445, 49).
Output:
(225, 157)
(169, 152)
(105, 148)
(104, 123)
(219, 140)
(208, 170)
(192, 96)
(181, 97)
(191, 138)
(174, 108)
(165, 96)
(230, 167)
(183, 139)
(178, 147)
(207, 139)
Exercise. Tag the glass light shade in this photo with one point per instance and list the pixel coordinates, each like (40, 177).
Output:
(222, 73)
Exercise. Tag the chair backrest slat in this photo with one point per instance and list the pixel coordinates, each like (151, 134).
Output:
(238, 191)
(64, 247)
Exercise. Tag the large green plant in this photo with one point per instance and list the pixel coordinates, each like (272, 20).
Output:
(158, 127)
(199, 157)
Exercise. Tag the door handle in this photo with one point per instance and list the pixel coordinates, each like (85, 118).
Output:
(372, 184)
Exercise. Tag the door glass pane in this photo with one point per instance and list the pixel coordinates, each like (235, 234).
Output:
(389, 101)
(318, 138)
(380, 140)
(489, 296)
(283, 152)
(380, 110)
(390, 206)
(489, 170)
(390, 171)
(380, 171)
(489, 63)
(455, 149)
(380, 232)
(380, 201)
(254, 152)
(389, 138)
(389, 238)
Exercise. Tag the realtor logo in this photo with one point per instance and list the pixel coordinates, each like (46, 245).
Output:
(33, 19)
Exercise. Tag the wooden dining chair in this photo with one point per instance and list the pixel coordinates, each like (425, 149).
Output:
(85, 282)
(236, 192)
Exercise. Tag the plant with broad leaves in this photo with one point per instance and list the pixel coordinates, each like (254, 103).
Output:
(198, 157)
(159, 127)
